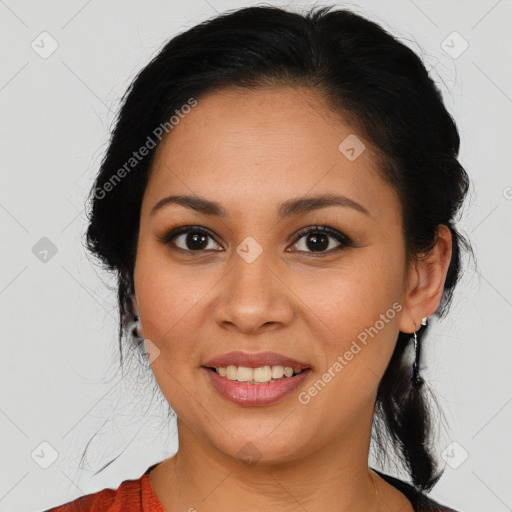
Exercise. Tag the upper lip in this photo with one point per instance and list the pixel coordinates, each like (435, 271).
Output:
(254, 360)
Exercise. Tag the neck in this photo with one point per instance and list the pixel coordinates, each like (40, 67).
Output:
(334, 478)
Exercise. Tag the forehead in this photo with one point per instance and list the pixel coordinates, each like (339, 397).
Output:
(270, 143)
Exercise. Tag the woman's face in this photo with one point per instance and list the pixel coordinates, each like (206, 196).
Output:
(254, 285)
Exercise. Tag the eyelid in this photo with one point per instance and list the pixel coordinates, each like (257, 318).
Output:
(339, 236)
(327, 230)
(174, 232)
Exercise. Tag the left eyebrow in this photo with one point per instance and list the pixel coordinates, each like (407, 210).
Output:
(289, 208)
(310, 203)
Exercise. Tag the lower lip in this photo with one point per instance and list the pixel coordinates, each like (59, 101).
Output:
(243, 393)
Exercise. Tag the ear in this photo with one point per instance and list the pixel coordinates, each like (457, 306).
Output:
(425, 284)
(135, 305)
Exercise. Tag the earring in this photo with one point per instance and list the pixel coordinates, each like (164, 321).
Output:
(136, 327)
(417, 381)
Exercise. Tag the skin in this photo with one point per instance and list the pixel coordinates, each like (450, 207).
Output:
(250, 151)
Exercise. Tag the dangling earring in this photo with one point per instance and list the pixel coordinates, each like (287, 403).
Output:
(417, 381)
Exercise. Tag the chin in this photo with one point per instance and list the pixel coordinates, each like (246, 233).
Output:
(262, 450)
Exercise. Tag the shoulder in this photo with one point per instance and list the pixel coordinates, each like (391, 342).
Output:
(128, 496)
(421, 502)
(427, 504)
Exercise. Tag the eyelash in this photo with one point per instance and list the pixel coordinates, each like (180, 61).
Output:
(344, 240)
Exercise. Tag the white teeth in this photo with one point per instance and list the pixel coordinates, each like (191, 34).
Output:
(277, 372)
(231, 372)
(263, 374)
(244, 374)
(288, 371)
(256, 375)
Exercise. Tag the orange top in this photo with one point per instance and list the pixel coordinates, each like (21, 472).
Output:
(131, 495)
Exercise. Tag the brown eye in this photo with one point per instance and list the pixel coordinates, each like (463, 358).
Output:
(190, 239)
(318, 239)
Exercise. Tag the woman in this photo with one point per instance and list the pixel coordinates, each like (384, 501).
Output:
(278, 203)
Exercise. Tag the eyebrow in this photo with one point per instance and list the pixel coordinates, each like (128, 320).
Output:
(289, 208)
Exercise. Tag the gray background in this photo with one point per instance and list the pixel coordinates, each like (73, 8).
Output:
(58, 376)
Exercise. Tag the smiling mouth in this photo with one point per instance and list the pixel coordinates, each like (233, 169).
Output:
(260, 375)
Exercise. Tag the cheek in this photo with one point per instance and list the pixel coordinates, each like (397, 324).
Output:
(170, 302)
(169, 309)
(354, 296)
(168, 292)
(358, 309)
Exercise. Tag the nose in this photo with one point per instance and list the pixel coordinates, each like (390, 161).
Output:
(253, 297)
